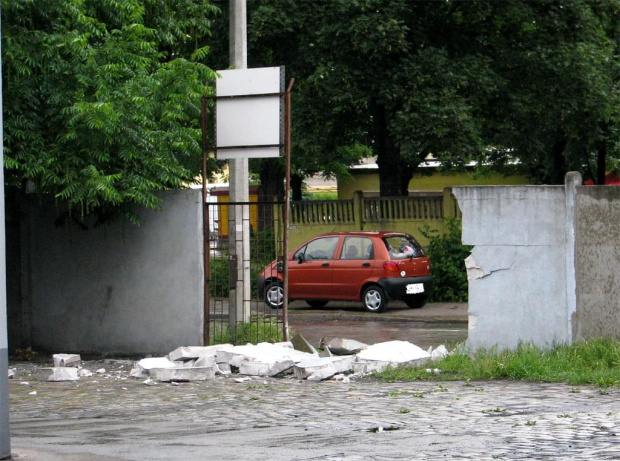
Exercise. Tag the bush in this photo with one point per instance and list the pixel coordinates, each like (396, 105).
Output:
(447, 255)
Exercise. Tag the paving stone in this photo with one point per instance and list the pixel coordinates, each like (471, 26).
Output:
(67, 360)
(182, 374)
(58, 374)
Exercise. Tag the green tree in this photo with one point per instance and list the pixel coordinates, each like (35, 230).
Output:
(488, 81)
(102, 99)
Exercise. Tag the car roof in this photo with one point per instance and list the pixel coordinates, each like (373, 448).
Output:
(364, 233)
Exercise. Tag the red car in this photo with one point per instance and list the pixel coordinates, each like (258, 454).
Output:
(371, 267)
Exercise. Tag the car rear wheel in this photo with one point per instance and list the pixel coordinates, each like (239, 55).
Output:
(374, 299)
(416, 302)
(274, 295)
(316, 304)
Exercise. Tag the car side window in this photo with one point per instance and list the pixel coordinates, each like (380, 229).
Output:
(357, 248)
(321, 248)
(403, 246)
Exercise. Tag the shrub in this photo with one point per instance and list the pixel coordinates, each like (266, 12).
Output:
(447, 254)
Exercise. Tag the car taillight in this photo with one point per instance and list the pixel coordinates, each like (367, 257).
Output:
(390, 266)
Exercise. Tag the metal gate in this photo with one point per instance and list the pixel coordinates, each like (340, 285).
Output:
(237, 311)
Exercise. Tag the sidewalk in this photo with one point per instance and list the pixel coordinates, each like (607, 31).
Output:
(112, 417)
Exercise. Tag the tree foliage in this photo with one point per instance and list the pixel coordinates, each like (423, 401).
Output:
(488, 81)
(102, 99)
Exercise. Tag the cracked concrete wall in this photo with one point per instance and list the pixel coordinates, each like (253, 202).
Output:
(118, 288)
(518, 268)
(597, 262)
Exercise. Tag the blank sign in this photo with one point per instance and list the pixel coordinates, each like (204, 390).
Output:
(248, 113)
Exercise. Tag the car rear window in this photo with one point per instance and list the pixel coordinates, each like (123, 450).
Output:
(403, 247)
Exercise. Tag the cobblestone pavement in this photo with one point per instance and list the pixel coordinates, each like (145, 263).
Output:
(112, 417)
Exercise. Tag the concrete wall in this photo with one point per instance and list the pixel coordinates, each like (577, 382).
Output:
(517, 271)
(545, 267)
(118, 288)
(597, 262)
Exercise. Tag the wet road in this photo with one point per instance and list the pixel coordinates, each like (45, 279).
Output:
(433, 325)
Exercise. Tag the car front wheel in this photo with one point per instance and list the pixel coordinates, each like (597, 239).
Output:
(374, 299)
(274, 295)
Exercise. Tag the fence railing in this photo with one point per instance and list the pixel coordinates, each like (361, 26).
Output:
(377, 209)
(322, 212)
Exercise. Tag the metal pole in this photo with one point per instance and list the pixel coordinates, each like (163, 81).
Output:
(206, 246)
(287, 202)
(5, 433)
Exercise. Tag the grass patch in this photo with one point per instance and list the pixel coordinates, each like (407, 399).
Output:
(594, 362)
(257, 330)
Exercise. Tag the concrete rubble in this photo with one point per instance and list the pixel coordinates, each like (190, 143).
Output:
(340, 359)
(67, 360)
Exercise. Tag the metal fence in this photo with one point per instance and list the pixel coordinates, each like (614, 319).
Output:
(237, 311)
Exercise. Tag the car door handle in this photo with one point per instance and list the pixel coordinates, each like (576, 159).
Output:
(366, 264)
(325, 264)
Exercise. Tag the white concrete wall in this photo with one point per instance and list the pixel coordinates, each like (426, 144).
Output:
(118, 288)
(518, 267)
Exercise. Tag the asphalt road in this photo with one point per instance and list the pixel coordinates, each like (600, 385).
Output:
(433, 325)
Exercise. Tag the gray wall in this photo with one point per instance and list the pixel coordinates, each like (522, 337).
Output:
(597, 260)
(545, 265)
(516, 271)
(118, 288)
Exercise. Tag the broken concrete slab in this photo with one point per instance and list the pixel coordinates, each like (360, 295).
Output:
(182, 374)
(205, 361)
(301, 344)
(320, 368)
(67, 360)
(142, 367)
(344, 346)
(195, 352)
(393, 351)
(84, 373)
(256, 368)
(58, 374)
(439, 353)
(11, 373)
(264, 352)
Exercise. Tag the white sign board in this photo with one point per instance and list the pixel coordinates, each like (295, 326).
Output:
(249, 113)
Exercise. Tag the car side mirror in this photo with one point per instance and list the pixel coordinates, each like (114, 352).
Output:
(301, 258)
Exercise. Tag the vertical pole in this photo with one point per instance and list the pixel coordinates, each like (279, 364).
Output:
(206, 242)
(287, 202)
(239, 216)
(5, 435)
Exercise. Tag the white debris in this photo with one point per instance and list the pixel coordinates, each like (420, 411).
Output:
(142, 367)
(33, 393)
(84, 373)
(100, 371)
(195, 352)
(259, 368)
(67, 360)
(25, 383)
(242, 380)
(11, 373)
(439, 353)
(320, 368)
(435, 371)
(149, 382)
(343, 346)
(183, 374)
(58, 374)
(264, 352)
(394, 352)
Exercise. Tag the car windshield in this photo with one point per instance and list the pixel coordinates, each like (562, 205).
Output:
(403, 247)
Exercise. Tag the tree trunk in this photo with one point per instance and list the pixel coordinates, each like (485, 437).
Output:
(394, 173)
(271, 189)
(296, 187)
(557, 170)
